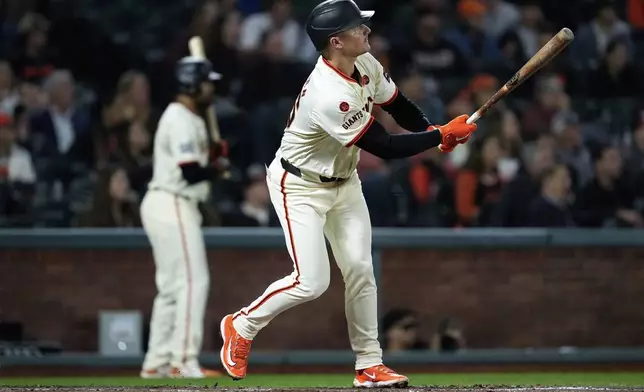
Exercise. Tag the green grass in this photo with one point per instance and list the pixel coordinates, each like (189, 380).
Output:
(344, 380)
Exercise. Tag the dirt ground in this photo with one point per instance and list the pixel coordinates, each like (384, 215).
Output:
(90, 371)
(481, 388)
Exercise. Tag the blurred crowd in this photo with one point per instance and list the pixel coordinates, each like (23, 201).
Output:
(82, 87)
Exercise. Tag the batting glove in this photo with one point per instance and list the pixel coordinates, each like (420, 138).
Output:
(454, 133)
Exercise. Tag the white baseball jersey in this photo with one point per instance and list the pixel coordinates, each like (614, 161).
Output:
(331, 113)
(181, 137)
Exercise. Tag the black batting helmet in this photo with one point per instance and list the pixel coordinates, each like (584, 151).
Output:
(332, 17)
(190, 72)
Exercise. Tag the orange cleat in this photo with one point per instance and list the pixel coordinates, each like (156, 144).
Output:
(379, 376)
(234, 351)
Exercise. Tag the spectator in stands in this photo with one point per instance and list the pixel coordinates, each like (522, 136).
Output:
(61, 139)
(114, 204)
(380, 47)
(478, 184)
(278, 18)
(592, 39)
(571, 151)
(17, 176)
(130, 104)
(513, 207)
(400, 331)
(428, 191)
(500, 16)
(414, 88)
(510, 133)
(635, 154)
(225, 53)
(469, 35)
(406, 10)
(607, 200)
(552, 207)
(21, 120)
(617, 75)
(528, 27)
(34, 59)
(550, 100)
(202, 25)
(9, 95)
(448, 337)
(271, 82)
(32, 97)
(429, 51)
(255, 209)
(134, 154)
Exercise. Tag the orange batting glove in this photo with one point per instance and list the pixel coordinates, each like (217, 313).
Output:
(454, 133)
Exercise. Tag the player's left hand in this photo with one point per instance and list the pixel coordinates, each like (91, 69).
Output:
(455, 132)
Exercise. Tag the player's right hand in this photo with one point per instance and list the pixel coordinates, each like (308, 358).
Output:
(219, 149)
(455, 132)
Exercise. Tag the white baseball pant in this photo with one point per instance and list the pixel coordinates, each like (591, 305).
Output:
(307, 213)
(173, 226)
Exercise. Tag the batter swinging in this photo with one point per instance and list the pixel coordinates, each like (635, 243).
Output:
(316, 191)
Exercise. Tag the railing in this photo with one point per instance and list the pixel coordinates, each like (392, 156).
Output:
(383, 238)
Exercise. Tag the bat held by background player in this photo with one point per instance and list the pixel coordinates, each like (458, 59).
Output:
(197, 49)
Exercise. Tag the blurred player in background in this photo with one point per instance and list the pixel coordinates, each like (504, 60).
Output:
(172, 220)
(316, 191)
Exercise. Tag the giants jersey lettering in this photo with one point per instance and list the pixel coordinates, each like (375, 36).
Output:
(331, 113)
(181, 137)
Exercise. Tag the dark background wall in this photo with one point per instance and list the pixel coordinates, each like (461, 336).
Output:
(586, 297)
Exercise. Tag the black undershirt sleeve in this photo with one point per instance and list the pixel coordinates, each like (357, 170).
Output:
(377, 141)
(406, 113)
(193, 172)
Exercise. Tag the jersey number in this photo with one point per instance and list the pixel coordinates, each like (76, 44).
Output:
(291, 116)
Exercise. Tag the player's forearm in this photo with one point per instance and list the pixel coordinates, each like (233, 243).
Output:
(377, 141)
(406, 113)
(194, 173)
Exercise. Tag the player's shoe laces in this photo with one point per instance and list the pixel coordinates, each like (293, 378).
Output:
(234, 351)
(379, 376)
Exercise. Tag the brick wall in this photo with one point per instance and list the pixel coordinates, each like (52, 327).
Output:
(505, 298)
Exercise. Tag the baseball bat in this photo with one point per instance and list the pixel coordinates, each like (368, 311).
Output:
(547, 52)
(197, 49)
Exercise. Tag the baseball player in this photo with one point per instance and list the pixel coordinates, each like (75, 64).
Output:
(172, 221)
(316, 191)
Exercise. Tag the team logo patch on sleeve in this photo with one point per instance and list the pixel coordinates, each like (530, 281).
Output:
(353, 120)
(344, 107)
(188, 147)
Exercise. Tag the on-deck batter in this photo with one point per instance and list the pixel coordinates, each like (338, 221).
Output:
(316, 191)
(172, 222)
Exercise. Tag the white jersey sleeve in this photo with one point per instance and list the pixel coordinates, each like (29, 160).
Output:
(342, 117)
(184, 142)
(386, 89)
